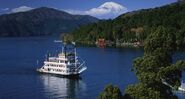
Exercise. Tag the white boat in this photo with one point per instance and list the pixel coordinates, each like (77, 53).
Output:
(66, 63)
(182, 87)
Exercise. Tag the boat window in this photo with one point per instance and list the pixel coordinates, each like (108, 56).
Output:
(61, 61)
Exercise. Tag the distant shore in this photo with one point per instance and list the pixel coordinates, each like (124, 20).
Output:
(111, 45)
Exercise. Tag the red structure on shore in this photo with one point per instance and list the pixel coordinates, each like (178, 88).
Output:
(101, 43)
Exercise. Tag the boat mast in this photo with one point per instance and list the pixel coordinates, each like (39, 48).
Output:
(65, 49)
(74, 52)
(75, 56)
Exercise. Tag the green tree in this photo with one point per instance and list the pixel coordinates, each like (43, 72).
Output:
(155, 68)
(111, 92)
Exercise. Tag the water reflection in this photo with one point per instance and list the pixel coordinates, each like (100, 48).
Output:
(60, 87)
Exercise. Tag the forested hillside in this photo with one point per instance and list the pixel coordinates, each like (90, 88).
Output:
(41, 22)
(136, 26)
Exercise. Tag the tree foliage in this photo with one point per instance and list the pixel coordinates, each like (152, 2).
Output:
(111, 92)
(156, 74)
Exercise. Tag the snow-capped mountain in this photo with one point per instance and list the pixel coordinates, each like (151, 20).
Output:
(106, 10)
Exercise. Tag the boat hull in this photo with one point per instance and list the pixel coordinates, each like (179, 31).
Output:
(59, 74)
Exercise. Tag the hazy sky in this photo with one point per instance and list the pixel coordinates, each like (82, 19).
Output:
(98, 8)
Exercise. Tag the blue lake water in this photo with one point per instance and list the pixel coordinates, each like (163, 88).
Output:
(19, 80)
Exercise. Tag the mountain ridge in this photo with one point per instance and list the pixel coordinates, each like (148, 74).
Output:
(42, 21)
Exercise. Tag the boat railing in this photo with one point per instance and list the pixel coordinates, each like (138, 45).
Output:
(81, 66)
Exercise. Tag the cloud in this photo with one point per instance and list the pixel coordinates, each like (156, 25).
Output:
(21, 9)
(5, 9)
(106, 10)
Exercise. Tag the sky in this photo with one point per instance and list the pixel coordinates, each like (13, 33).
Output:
(102, 9)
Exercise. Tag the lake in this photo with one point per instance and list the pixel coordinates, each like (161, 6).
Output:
(21, 56)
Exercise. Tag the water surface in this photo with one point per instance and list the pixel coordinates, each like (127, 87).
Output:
(19, 80)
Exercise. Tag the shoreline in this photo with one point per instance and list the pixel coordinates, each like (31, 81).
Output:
(108, 45)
